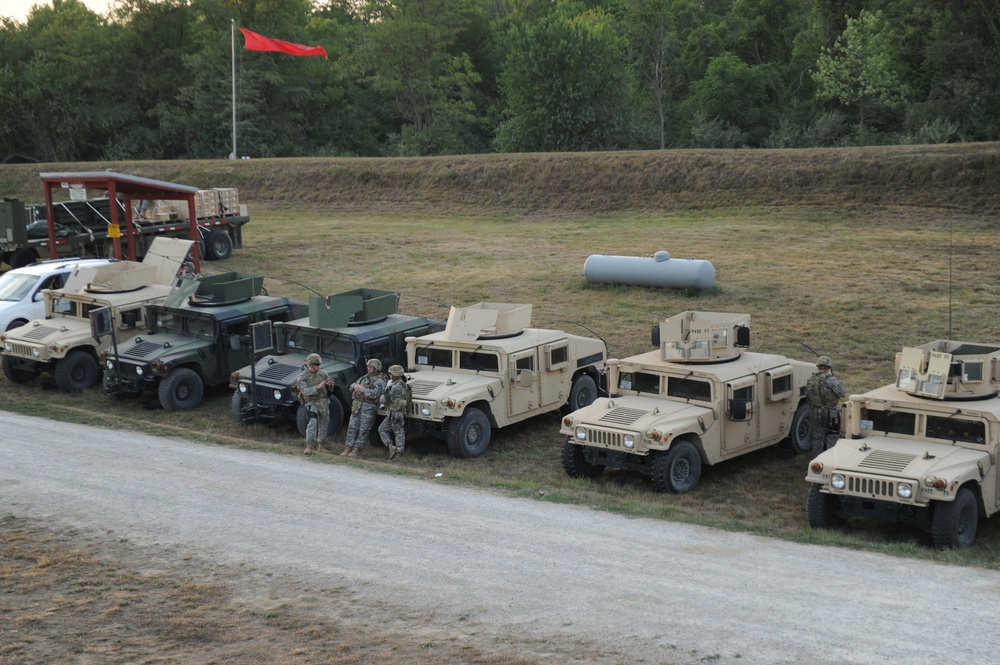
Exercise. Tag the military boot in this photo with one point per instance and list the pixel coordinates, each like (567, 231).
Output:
(346, 451)
(392, 451)
(353, 452)
(309, 448)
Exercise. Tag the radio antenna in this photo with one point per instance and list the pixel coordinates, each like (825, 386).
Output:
(951, 225)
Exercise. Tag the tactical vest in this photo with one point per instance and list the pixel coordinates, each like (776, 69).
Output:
(818, 393)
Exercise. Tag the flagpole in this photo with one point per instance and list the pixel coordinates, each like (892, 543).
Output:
(233, 59)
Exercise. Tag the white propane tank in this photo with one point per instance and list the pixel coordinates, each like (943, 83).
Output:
(658, 270)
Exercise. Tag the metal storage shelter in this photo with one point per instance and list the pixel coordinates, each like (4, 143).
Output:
(132, 188)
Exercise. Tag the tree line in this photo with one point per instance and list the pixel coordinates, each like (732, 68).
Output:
(153, 79)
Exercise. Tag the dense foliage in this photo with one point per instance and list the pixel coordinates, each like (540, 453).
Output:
(154, 78)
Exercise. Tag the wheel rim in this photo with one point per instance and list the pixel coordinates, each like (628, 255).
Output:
(583, 399)
(963, 522)
(681, 470)
(473, 435)
(78, 373)
(183, 392)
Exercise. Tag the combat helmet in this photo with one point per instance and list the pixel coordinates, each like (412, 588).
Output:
(823, 361)
(396, 371)
(314, 359)
(376, 363)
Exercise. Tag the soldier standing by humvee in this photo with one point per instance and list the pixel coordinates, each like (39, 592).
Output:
(366, 392)
(823, 393)
(313, 384)
(396, 400)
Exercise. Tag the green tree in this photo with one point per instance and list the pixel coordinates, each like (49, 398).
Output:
(567, 85)
(861, 69)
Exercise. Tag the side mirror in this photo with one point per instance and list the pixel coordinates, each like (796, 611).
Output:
(234, 342)
(525, 378)
(738, 411)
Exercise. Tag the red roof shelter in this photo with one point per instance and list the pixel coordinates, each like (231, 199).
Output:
(131, 188)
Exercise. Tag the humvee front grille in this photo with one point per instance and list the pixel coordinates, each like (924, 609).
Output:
(604, 438)
(22, 350)
(279, 372)
(871, 487)
(887, 461)
(621, 415)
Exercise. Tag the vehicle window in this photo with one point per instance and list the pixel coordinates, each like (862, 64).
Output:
(297, 338)
(169, 322)
(889, 422)
(337, 347)
(478, 361)
(64, 306)
(640, 382)
(433, 357)
(956, 429)
(378, 349)
(689, 388)
(781, 384)
(13, 287)
(559, 356)
(528, 362)
(744, 394)
(53, 281)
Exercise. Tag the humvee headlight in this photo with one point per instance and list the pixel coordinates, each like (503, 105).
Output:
(904, 491)
(628, 440)
(138, 371)
(37, 353)
(838, 482)
(581, 433)
(277, 394)
(425, 409)
(8, 347)
(110, 364)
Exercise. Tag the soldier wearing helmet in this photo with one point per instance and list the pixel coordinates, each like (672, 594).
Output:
(823, 394)
(392, 431)
(314, 389)
(366, 393)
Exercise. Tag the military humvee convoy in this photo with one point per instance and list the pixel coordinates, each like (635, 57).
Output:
(63, 344)
(346, 330)
(196, 338)
(488, 369)
(921, 451)
(698, 399)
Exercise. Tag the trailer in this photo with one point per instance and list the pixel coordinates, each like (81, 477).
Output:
(143, 210)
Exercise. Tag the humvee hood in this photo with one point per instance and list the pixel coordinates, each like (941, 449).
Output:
(903, 457)
(642, 413)
(161, 347)
(434, 385)
(284, 370)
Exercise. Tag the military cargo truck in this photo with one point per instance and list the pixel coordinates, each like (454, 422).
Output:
(346, 330)
(699, 399)
(63, 344)
(195, 339)
(921, 451)
(487, 369)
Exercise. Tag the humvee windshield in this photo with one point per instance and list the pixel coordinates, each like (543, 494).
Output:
(433, 357)
(956, 429)
(688, 388)
(889, 422)
(478, 361)
(641, 382)
(73, 308)
(189, 324)
(312, 341)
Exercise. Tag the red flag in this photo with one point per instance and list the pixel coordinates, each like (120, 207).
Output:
(257, 42)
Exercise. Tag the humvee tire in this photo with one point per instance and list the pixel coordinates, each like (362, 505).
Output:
(954, 522)
(236, 403)
(800, 433)
(16, 375)
(336, 418)
(582, 393)
(576, 465)
(76, 372)
(181, 390)
(676, 470)
(469, 434)
(821, 509)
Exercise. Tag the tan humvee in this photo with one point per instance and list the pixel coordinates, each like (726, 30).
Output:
(921, 451)
(488, 369)
(63, 343)
(698, 399)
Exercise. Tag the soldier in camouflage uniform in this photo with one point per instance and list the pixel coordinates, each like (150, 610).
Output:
(823, 393)
(314, 384)
(395, 400)
(366, 392)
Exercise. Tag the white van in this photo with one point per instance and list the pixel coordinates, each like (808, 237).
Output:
(21, 297)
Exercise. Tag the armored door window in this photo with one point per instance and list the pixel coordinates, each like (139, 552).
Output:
(380, 349)
(557, 357)
(780, 386)
(741, 402)
(130, 318)
(524, 368)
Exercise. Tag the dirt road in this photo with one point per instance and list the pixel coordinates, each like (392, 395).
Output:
(554, 582)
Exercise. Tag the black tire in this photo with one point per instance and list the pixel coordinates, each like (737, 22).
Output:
(236, 404)
(336, 418)
(16, 323)
(16, 375)
(76, 372)
(582, 393)
(118, 393)
(822, 510)
(575, 465)
(800, 435)
(23, 257)
(676, 470)
(954, 523)
(469, 434)
(182, 390)
(218, 246)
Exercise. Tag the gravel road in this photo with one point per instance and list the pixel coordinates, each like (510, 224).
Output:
(561, 583)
